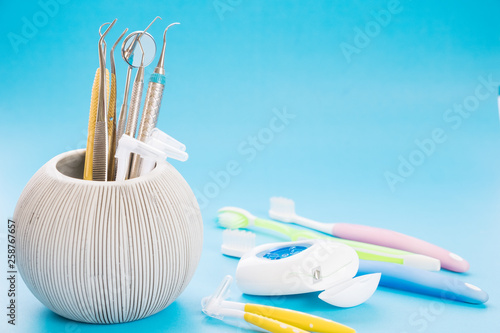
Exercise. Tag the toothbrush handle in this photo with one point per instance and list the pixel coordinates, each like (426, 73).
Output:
(270, 325)
(364, 250)
(298, 319)
(396, 240)
(423, 282)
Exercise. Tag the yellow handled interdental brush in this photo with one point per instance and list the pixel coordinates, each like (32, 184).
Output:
(297, 319)
(269, 318)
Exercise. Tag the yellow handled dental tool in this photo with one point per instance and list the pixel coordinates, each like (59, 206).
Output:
(267, 317)
(101, 144)
(266, 323)
(295, 318)
(94, 99)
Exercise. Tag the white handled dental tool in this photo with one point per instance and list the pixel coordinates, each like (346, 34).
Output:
(150, 153)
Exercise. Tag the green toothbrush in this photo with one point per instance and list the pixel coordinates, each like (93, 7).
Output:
(237, 218)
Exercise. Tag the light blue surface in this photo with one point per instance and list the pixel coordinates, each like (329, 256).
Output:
(355, 117)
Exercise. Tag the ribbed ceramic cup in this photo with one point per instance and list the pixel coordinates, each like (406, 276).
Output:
(106, 252)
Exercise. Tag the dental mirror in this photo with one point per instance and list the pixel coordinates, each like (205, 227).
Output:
(148, 45)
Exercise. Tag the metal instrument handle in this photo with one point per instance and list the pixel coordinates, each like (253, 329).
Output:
(135, 106)
(149, 119)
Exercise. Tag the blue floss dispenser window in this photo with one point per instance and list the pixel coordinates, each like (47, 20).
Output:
(282, 252)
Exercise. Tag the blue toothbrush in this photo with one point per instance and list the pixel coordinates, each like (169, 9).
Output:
(423, 282)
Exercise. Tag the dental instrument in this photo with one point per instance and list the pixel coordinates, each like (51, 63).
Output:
(128, 146)
(236, 218)
(100, 147)
(270, 318)
(87, 170)
(128, 52)
(283, 209)
(168, 145)
(167, 139)
(112, 112)
(128, 56)
(152, 103)
(135, 99)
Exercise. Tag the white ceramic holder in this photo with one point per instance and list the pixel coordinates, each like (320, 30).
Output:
(106, 252)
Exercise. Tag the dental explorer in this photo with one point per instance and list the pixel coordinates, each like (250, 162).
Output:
(94, 98)
(152, 104)
(94, 102)
(112, 111)
(101, 147)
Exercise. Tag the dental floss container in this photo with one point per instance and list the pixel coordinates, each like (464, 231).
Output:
(306, 266)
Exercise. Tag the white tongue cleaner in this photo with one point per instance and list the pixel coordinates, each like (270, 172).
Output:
(351, 292)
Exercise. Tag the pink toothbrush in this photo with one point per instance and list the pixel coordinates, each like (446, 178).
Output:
(283, 210)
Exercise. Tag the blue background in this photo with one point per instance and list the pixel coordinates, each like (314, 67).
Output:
(355, 117)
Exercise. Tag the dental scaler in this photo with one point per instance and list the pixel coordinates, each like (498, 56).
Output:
(152, 104)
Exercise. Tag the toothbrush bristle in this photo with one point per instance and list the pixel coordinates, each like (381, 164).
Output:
(240, 239)
(232, 220)
(283, 205)
(235, 243)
